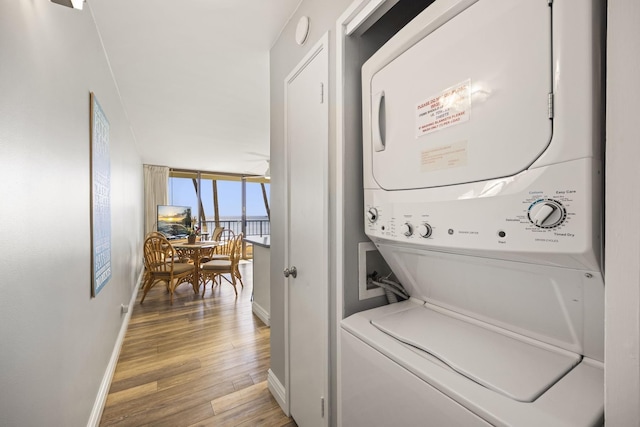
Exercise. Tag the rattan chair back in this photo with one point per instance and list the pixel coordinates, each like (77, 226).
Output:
(161, 265)
(226, 239)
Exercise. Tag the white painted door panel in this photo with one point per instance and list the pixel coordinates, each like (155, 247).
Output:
(307, 146)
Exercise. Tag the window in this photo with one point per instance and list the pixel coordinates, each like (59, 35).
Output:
(227, 190)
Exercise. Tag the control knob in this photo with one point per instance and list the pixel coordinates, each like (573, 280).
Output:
(424, 230)
(547, 213)
(372, 215)
(406, 229)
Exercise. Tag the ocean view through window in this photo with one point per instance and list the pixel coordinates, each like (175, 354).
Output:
(227, 191)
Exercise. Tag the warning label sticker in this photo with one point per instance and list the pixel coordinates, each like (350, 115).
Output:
(448, 108)
(445, 157)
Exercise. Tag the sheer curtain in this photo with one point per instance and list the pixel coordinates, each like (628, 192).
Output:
(156, 183)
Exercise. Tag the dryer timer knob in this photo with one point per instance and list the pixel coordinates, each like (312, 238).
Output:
(547, 213)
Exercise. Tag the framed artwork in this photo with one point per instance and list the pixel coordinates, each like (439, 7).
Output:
(100, 172)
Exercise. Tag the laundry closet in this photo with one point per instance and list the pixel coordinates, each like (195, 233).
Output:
(482, 169)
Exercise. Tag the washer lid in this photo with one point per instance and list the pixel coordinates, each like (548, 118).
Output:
(512, 367)
(468, 102)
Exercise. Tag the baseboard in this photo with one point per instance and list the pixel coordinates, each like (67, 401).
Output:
(278, 391)
(261, 313)
(103, 391)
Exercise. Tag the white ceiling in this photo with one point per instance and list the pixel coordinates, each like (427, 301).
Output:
(194, 77)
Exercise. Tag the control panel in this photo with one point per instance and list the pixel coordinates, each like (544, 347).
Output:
(540, 213)
(527, 220)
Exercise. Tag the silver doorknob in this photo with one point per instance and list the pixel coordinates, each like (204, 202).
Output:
(293, 271)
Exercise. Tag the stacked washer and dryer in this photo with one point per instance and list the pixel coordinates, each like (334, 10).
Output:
(483, 132)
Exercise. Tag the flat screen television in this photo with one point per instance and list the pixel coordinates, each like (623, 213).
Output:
(174, 221)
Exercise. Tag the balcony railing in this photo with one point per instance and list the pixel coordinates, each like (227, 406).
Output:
(255, 227)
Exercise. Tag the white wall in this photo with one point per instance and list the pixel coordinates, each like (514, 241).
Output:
(622, 245)
(56, 340)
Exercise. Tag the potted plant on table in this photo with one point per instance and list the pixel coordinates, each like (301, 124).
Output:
(192, 232)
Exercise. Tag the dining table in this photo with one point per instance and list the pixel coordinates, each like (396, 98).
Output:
(194, 251)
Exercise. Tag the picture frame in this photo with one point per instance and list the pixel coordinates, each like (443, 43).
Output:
(100, 184)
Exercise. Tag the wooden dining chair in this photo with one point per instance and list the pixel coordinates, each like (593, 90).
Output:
(221, 251)
(160, 260)
(236, 270)
(144, 259)
(212, 271)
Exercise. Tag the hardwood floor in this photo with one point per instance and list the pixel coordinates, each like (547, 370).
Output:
(200, 362)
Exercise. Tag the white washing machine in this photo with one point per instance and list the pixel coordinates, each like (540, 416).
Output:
(483, 126)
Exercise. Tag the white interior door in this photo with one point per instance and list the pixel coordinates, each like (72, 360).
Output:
(306, 143)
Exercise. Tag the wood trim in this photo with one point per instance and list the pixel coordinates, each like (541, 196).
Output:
(220, 176)
(266, 200)
(216, 210)
(201, 215)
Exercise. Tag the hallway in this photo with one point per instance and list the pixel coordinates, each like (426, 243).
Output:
(200, 362)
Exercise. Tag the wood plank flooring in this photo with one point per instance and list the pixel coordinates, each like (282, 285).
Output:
(200, 362)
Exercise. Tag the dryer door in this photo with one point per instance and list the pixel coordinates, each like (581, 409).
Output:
(468, 102)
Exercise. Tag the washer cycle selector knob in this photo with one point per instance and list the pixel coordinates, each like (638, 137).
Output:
(424, 230)
(406, 229)
(547, 213)
(372, 215)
